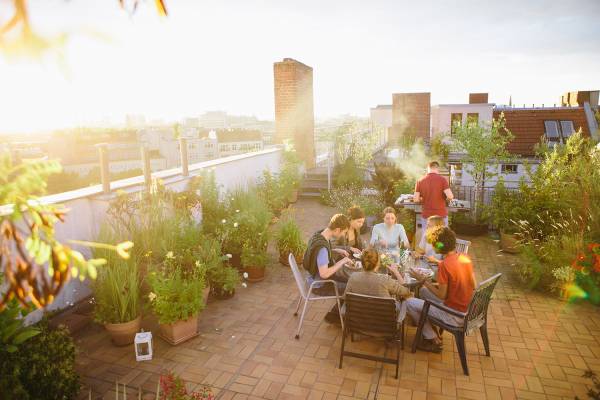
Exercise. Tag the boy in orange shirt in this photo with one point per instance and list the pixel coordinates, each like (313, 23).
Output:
(456, 283)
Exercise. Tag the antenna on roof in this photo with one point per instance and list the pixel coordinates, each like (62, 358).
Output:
(510, 101)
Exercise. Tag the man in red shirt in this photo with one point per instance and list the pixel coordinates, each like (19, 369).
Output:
(433, 191)
(456, 283)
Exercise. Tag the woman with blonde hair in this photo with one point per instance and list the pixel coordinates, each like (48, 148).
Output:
(425, 248)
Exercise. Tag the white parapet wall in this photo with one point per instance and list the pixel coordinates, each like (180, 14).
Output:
(87, 207)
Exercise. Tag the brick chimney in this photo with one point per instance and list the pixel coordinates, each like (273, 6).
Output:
(411, 114)
(478, 98)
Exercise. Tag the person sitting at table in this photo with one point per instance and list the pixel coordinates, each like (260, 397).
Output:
(371, 283)
(318, 258)
(351, 242)
(425, 249)
(388, 236)
(456, 283)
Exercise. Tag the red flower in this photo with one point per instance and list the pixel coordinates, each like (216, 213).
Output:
(592, 246)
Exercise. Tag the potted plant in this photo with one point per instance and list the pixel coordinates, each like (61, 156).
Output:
(290, 173)
(176, 298)
(116, 295)
(223, 281)
(504, 212)
(254, 260)
(289, 240)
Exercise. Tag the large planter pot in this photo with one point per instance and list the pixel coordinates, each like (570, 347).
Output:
(283, 258)
(124, 333)
(470, 229)
(255, 274)
(293, 197)
(509, 243)
(179, 331)
(236, 260)
(219, 293)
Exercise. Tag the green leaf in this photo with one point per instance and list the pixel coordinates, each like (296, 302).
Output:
(11, 348)
(26, 335)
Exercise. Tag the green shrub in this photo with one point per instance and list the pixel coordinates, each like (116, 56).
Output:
(254, 256)
(348, 174)
(386, 178)
(42, 368)
(289, 237)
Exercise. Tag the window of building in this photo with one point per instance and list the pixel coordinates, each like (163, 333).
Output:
(552, 133)
(558, 131)
(509, 168)
(567, 129)
(455, 118)
(473, 118)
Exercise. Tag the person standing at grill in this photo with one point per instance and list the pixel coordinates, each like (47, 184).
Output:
(433, 191)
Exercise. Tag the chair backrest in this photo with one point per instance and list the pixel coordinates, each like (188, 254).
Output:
(369, 314)
(477, 311)
(462, 246)
(300, 280)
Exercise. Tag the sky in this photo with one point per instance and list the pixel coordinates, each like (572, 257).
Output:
(219, 54)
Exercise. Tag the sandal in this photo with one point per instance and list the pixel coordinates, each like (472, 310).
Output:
(429, 345)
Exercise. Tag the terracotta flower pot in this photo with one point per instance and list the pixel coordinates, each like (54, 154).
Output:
(179, 331)
(283, 258)
(236, 260)
(255, 274)
(220, 294)
(124, 333)
(509, 243)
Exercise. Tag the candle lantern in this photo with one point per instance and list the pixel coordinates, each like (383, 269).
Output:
(143, 346)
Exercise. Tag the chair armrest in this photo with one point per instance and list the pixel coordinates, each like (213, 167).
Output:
(447, 309)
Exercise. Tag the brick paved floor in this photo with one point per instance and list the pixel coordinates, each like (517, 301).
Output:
(540, 347)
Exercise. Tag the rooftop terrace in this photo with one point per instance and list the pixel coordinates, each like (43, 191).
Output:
(540, 346)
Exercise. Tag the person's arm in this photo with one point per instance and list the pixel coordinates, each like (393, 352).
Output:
(449, 194)
(417, 195)
(396, 287)
(325, 271)
(403, 238)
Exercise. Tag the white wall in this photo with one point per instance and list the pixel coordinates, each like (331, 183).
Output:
(441, 115)
(156, 164)
(87, 207)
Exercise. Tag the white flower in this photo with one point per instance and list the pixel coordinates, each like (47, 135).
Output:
(197, 263)
(169, 255)
(237, 211)
(245, 275)
(223, 221)
(228, 256)
(151, 296)
(244, 284)
(235, 225)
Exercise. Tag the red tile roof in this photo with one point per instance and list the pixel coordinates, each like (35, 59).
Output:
(527, 125)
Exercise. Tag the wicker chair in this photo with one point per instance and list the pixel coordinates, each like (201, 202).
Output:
(374, 317)
(475, 317)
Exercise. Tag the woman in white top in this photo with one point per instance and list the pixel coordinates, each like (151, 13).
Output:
(389, 235)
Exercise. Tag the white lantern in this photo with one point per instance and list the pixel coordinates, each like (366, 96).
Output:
(143, 346)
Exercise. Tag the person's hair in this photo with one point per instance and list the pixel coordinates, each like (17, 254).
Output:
(436, 220)
(433, 164)
(355, 212)
(389, 210)
(370, 259)
(442, 238)
(339, 221)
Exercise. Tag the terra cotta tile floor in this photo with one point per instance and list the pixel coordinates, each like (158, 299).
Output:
(540, 347)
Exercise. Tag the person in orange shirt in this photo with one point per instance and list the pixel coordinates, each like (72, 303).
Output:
(456, 283)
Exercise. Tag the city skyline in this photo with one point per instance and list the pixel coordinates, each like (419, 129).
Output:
(116, 64)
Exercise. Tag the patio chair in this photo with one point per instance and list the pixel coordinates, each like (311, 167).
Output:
(307, 295)
(374, 317)
(462, 246)
(475, 317)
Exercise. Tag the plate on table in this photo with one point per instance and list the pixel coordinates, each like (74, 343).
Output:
(424, 271)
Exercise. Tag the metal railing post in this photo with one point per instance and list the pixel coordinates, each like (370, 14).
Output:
(104, 167)
(329, 167)
(183, 151)
(146, 166)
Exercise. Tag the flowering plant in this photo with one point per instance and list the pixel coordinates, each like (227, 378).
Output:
(386, 260)
(588, 262)
(172, 387)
